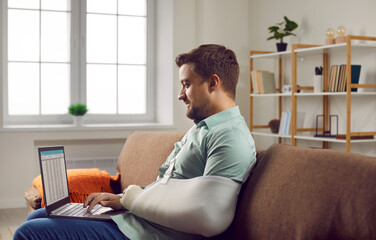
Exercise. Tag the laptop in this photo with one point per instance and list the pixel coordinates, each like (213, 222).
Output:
(56, 191)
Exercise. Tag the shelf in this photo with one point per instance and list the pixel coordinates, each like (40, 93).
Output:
(340, 47)
(336, 94)
(270, 135)
(310, 94)
(271, 95)
(323, 139)
(311, 138)
(331, 48)
(272, 55)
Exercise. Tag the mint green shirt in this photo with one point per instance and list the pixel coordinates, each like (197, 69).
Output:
(220, 145)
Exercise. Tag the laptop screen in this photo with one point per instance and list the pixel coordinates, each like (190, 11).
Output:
(54, 174)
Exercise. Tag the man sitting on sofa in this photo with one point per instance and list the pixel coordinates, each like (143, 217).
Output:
(219, 144)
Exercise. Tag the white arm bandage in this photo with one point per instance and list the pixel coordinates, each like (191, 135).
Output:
(202, 205)
(129, 194)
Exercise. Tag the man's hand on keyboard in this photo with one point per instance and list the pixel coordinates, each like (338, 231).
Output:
(104, 199)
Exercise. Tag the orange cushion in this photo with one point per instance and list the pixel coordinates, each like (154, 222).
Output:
(82, 182)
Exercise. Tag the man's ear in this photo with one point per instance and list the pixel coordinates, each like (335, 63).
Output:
(214, 82)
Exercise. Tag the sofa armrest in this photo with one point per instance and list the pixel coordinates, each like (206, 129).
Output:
(33, 199)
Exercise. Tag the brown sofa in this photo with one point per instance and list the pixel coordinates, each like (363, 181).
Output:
(293, 193)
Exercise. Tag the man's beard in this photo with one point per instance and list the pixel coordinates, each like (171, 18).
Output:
(197, 114)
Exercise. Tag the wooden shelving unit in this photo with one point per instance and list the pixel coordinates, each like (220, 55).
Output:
(273, 55)
(304, 50)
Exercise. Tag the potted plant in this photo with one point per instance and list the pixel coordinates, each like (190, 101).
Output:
(78, 110)
(281, 30)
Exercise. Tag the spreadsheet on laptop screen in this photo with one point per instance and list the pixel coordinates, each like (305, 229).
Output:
(54, 175)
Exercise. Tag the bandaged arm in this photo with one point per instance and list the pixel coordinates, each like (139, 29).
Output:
(202, 205)
(129, 194)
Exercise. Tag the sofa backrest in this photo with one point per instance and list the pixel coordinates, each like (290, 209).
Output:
(302, 193)
(142, 155)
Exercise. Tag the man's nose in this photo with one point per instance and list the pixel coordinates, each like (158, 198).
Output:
(181, 94)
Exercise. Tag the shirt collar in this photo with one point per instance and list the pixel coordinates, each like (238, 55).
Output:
(220, 117)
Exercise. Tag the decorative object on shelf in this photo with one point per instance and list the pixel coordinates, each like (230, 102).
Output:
(341, 34)
(77, 110)
(286, 88)
(326, 133)
(330, 36)
(317, 80)
(281, 30)
(298, 87)
(274, 125)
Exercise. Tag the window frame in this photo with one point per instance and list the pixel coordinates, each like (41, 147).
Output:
(78, 74)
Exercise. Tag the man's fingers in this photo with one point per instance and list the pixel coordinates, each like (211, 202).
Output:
(112, 201)
(106, 203)
(104, 199)
(89, 199)
(96, 200)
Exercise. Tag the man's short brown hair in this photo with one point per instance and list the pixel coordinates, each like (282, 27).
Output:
(212, 59)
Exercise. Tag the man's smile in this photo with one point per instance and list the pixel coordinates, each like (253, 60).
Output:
(186, 102)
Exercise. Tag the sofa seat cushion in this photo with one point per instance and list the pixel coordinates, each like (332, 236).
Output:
(142, 155)
(302, 193)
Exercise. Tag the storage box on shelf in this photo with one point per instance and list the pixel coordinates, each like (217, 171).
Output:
(303, 50)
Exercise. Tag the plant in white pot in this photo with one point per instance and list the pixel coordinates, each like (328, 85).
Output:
(281, 30)
(78, 110)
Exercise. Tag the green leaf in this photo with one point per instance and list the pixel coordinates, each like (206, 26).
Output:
(279, 34)
(77, 109)
(290, 25)
(273, 28)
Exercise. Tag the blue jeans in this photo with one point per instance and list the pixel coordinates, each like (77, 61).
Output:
(39, 226)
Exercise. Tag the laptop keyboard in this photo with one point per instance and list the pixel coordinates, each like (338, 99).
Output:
(77, 210)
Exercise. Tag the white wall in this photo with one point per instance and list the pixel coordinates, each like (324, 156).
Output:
(314, 17)
(212, 21)
(225, 22)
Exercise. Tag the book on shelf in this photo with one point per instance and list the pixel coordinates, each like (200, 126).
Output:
(255, 84)
(337, 77)
(286, 129)
(355, 74)
(268, 82)
(342, 79)
(334, 77)
(282, 123)
(263, 81)
(285, 122)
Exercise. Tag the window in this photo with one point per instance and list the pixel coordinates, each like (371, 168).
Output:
(92, 51)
